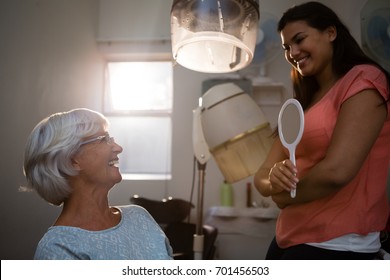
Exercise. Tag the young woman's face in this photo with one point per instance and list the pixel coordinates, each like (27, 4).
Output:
(98, 159)
(307, 49)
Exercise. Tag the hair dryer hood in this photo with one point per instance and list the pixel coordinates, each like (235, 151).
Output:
(214, 36)
(236, 131)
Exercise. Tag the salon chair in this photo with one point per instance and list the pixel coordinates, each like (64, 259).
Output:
(170, 215)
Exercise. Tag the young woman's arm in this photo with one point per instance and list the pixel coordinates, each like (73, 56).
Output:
(358, 125)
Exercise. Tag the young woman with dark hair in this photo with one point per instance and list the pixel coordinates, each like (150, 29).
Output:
(343, 158)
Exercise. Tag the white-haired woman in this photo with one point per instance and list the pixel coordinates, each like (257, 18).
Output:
(71, 160)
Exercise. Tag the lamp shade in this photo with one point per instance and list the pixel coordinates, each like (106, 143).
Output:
(236, 131)
(214, 36)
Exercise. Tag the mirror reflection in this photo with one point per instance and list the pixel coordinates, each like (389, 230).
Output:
(290, 123)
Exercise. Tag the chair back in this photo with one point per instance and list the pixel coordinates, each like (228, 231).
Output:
(181, 237)
(165, 211)
(170, 215)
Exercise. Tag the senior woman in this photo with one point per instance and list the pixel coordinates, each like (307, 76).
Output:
(71, 160)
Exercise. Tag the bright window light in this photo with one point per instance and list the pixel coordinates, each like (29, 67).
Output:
(138, 103)
(140, 86)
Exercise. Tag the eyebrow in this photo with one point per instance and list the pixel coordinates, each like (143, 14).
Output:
(294, 38)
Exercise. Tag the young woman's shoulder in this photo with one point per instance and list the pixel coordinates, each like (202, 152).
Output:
(368, 76)
(367, 71)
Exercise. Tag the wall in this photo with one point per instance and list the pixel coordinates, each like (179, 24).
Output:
(49, 63)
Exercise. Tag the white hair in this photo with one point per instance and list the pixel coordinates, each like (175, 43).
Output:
(50, 147)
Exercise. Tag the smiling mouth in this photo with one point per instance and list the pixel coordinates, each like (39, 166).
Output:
(300, 61)
(114, 163)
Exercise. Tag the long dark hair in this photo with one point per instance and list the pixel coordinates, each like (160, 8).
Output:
(346, 51)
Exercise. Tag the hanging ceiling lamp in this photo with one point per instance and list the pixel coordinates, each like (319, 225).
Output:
(214, 36)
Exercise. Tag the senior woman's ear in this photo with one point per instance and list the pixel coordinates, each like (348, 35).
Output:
(75, 162)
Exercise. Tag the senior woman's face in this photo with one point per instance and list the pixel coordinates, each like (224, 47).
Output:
(98, 160)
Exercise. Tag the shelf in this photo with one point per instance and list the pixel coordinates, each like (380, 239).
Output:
(232, 212)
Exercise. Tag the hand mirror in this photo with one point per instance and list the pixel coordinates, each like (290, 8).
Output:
(290, 127)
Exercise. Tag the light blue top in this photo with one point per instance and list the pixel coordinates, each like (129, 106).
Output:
(136, 237)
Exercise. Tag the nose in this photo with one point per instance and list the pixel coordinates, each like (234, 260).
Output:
(117, 148)
(294, 51)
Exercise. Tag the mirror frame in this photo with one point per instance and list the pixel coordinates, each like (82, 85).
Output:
(291, 146)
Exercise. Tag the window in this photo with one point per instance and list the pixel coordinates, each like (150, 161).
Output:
(138, 103)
